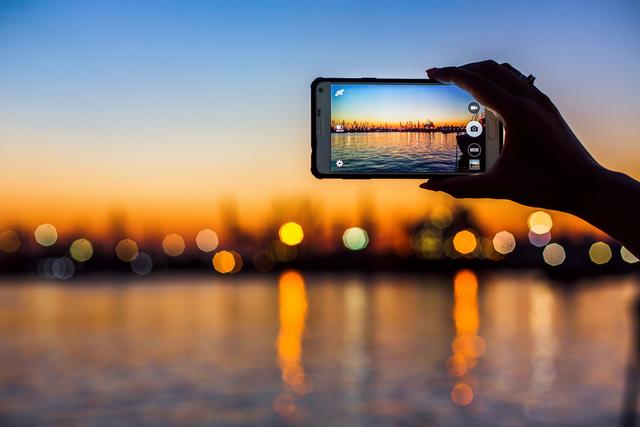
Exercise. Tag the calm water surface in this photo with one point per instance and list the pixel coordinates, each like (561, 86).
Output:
(395, 151)
(334, 350)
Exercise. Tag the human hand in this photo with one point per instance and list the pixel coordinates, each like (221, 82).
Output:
(542, 163)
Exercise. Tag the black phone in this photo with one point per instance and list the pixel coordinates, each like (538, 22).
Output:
(399, 128)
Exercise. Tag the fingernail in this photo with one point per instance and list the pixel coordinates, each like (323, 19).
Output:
(432, 70)
(425, 185)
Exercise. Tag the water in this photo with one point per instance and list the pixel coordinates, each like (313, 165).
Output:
(395, 151)
(339, 350)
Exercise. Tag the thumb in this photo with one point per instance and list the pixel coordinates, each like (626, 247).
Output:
(473, 186)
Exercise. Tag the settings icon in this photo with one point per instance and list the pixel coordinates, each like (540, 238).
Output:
(339, 163)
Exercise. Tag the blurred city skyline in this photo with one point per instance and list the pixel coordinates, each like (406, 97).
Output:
(160, 112)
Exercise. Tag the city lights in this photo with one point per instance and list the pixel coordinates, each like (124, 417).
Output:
(207, 240)
(428, 243)
(553, 254)
(291, 234)
(127, 250)
(504, 242)
(46, 235)
(355, 238)
(465, 242)
(81, 250)
(237, 262)
(628, 256)
(539, 240)
(9, 241)
(263, 261)
(441, 217)
(173, 245)
(600, 253)
(62, 268)
(224, 262)
(142, 265)
(540, 222)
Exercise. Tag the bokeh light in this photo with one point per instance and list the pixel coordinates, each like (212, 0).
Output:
(457, 365)
(462, 394)
(282, 252)
(441, 217)
(142, 265)
(224, 262)
(9, 241)
(237, 262)
(355, 238)
(263, 261)
(504, 242)
(554, 254)
(46, 235)
(284, 405)
(44, 268)
(81, 250)
(127, 250)
(207, 240)
(465, 242)
(173, 245)
(488, 251)
(62, 268)
(291, 233)
(427, 243)
(628, 256)
(539, 240)
(540, 222)
(600, 253)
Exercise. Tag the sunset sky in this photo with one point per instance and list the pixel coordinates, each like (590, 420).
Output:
(157, 111)
(379, 104)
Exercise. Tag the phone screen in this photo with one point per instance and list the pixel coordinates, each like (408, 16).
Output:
(405, 128)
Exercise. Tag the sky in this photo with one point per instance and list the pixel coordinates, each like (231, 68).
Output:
(157, 111)
(379, 104)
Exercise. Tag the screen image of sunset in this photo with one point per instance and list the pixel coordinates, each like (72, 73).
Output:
(389, 128)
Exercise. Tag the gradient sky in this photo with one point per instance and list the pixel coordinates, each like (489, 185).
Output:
(399, 103)
(157, 110)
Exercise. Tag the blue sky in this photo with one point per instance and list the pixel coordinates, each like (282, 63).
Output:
(155, 97)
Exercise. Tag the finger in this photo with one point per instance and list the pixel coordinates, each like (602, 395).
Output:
(472, 186)
(507, 78)
(486, 91)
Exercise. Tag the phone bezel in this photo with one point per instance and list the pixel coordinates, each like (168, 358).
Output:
(321, 144)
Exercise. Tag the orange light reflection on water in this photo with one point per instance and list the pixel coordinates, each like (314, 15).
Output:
(467, 346)
(292, 307)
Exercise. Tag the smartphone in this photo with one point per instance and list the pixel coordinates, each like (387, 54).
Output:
(399, 128)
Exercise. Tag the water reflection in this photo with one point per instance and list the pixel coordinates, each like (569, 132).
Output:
(292, 306)
(467, 346)
(349, 350)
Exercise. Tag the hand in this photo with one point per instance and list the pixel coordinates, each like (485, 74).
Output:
(542, 164)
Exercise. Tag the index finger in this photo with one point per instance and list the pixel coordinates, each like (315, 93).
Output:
(486, 91)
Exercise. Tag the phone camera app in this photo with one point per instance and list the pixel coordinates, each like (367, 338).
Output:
(474, 128)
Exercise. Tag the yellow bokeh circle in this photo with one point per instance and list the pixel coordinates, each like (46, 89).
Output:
(81, 250)
(291, 233)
